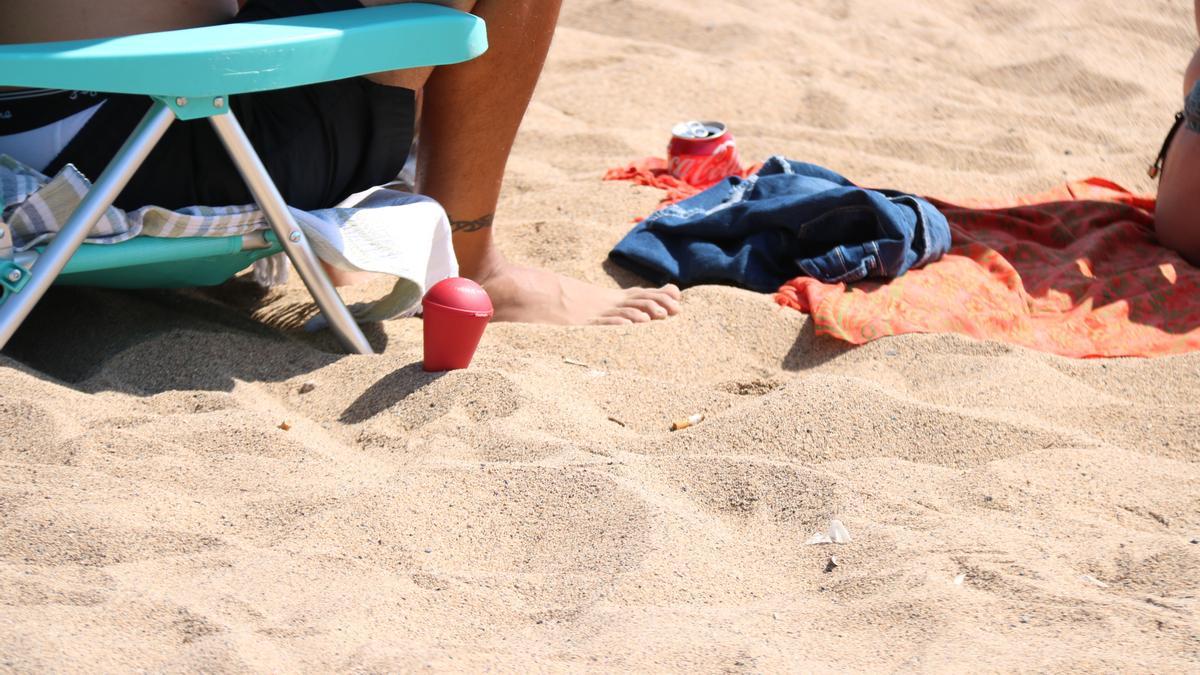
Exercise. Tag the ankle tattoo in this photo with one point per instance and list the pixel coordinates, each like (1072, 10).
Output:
(472, 225)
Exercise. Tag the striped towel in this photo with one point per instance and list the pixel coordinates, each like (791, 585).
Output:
(382, 231)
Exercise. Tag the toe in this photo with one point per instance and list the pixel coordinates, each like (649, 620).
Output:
(662, 298)
(650, 306)
(633, 314)
(671, 304)
(611, 321)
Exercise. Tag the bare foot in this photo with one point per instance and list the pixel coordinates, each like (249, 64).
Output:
(531, 295)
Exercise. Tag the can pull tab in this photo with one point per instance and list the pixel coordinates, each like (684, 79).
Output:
(698, 130)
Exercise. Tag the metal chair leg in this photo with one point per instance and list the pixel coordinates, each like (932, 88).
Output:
(106, 189)
(290, 235)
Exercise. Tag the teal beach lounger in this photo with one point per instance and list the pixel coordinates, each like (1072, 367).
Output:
(190, 74)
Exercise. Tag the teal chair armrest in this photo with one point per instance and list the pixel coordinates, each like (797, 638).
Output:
(246, 57)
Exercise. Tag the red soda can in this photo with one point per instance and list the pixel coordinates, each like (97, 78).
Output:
(702, 153)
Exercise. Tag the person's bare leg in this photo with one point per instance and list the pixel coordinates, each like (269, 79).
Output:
(471, 112)
(1177, 216)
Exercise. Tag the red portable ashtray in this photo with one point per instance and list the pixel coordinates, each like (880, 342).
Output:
(457, 311)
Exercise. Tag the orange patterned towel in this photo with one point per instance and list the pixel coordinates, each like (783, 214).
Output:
(1074, 271)
(652, 171)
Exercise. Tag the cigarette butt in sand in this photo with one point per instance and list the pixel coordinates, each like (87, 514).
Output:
(285, 426)
(691, 421)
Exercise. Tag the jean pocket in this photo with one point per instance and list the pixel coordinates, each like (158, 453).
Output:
(819, 268)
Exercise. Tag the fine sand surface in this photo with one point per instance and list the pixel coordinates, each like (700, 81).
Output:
(531, 513)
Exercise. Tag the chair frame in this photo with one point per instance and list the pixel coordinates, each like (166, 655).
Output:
(114, 178)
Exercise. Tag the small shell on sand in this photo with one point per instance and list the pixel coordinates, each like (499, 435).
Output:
(838, 533)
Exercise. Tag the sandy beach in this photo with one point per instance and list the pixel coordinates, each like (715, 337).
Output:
(1009, 509)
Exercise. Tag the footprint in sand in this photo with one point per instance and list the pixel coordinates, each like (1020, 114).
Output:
(192, 402)
(41, 537)
(480, 395)
(1061, 75)
(648, 22)
(755, 387)
(1170, 29)
(190, 627)
(824, 109)
(995, 16)
(586, 65)
(26, 593)
(27, 432)
(1163, 571)
(806, 421)
(838, 10)
(745, 488)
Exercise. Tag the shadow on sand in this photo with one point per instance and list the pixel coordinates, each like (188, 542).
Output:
(102, 340)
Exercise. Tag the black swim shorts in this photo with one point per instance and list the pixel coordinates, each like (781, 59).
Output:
(320, 142)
